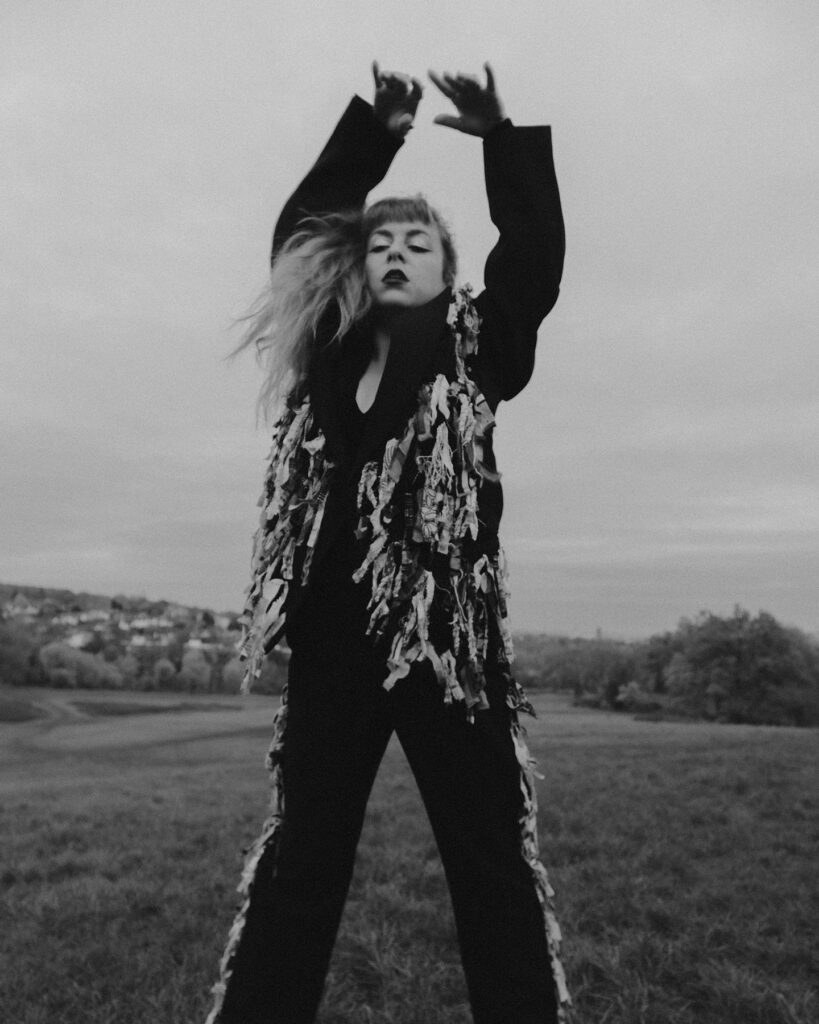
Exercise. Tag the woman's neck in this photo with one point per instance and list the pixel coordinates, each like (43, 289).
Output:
(381, 342)
(384, 322)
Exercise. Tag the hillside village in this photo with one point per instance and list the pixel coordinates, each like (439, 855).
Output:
(130, 623)
(64, 639)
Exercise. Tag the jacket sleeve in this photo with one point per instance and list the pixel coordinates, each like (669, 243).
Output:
(355, 159)
(522, 274)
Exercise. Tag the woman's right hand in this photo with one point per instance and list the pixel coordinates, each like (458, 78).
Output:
(479, 106)
(396, 100)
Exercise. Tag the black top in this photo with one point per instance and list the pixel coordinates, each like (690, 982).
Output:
(353, 423)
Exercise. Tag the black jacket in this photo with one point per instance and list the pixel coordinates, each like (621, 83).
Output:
(522, 277)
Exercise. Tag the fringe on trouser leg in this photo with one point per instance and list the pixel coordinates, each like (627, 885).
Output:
(267, 838)
(531, 853)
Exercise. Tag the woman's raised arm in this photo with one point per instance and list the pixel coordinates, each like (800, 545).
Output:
(523, 271)
(357, 154)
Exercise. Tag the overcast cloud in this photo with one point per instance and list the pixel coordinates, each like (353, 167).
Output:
(663, 458)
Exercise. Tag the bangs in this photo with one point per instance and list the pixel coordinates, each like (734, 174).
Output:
(398, 209)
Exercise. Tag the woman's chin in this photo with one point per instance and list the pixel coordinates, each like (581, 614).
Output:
(395, 300)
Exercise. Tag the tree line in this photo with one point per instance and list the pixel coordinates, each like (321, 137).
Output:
(737, 668)
(26, 661)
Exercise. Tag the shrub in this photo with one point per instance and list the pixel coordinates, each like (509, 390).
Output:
(164, 674)
(66, 667)
(62, 678)
(129, 670)
(18, 655)
(232, 674)
(632, 697)
(195, 674)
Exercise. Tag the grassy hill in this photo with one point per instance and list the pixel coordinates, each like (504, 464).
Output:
(683, 856)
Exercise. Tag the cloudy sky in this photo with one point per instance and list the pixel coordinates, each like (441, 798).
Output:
(663, 458)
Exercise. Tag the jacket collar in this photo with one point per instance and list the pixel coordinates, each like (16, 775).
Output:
(418, 351)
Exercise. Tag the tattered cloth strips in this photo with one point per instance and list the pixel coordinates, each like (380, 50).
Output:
(530, 849)
(265, 846)
(434, 599)
(435, 596)
(292, 504)
(423, 581)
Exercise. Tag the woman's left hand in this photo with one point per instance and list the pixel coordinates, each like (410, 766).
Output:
(479, 106)
(396, 99)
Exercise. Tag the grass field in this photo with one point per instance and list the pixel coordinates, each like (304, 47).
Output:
(684, 858)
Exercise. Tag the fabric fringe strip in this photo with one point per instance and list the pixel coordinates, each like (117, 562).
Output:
(530, 848)
(267, 839)
(292, 503)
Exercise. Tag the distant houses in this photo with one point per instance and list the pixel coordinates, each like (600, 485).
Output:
(66, 639)
(20, 607)
(130, 624)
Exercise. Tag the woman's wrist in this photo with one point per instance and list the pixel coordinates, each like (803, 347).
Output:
(398, 130)
(493, 125)
(502, 122)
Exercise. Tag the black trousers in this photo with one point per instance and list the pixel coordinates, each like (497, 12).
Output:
(330, 738)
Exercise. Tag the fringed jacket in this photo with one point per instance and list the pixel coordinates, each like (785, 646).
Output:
(485, 357)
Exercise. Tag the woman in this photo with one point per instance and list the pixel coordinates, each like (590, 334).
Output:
(377, 555)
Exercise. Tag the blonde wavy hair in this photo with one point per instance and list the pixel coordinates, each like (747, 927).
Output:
(319, 269)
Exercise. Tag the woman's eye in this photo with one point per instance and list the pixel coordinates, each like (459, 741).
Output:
(419, 248)
(377, 248)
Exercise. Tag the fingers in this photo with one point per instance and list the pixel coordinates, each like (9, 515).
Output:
(448, 121)
(445, 88)
(450, 85)
(460, 85)
(397, 83)
(466, 91)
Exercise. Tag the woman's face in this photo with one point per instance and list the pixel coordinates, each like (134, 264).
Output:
(405, 264)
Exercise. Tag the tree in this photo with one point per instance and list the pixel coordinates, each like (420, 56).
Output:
(232, 674)
(129, 667)
(18, 664)
(69, 668)
(164, 674)
(94, 644)
(654, 657)
(112, 651)
(195, 674)
(678, 678)
(744, 669)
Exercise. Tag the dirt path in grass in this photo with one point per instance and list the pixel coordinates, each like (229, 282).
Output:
(79, 721)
